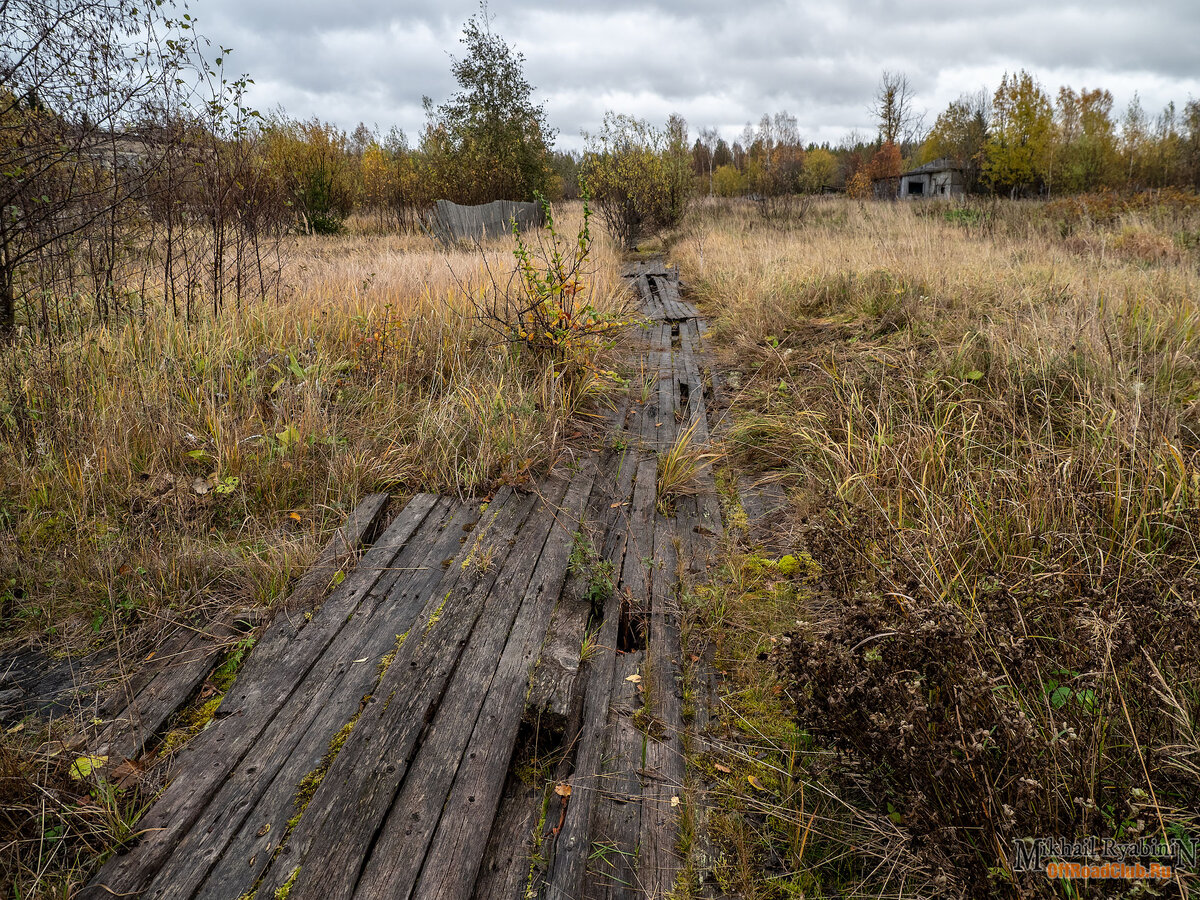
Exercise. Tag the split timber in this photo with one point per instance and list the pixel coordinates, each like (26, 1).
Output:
(483, 708)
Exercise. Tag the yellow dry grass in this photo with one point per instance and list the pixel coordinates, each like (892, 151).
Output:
(988, 420)
(152, 465)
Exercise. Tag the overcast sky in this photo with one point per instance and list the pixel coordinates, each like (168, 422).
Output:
(717, 63)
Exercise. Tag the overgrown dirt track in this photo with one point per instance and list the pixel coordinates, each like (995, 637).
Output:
(489, 704)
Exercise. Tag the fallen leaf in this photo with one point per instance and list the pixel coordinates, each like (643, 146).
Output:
(755, 783)
(264, 829)
(85, 765)
(635, 678)
(150, 655)
(721, 768)
(563, 790)
(127, 773)
(295, 516)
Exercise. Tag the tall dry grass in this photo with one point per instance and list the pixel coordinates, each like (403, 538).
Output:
(992, 430)
(151, 465)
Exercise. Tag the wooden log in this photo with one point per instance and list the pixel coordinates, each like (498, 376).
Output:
(269, 676)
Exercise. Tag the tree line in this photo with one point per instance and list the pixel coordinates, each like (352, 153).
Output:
(1016, 141)
(132, 171)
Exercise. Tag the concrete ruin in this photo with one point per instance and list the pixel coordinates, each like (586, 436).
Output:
(940, 178)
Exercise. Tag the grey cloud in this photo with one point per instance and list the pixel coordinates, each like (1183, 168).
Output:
(716, 62)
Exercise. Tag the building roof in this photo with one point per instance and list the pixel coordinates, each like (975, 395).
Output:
(938, 165)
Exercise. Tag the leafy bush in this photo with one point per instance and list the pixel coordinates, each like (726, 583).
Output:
(639, 176)
(546, 309)
(311, 161)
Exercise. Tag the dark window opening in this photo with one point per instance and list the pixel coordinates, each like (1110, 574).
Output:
(916, 187)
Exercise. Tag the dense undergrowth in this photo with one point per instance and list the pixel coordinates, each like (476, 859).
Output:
(989, 425)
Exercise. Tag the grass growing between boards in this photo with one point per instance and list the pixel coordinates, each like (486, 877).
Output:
(773, 830)
(152, 470)
(990, 431)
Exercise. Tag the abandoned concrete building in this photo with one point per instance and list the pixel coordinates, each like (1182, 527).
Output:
(940, 178)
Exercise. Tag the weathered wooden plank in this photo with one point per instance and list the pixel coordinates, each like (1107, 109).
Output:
(400, 848)
(568, 868)
(584, 736)
(688, 378)
(676, 307)
(554, 681)
(233, 843)
(641, 267)
(567, 872)
(166, 683)
(652, 306)
(352, 802)
(633, 585)
(616, 825)
(658, 862)
(629, 541)
(667, 425)
(360, 527)
(278, 662)
(146, 717)
(505, 870)
(458, 847)
(699, 518)
(174, 647)
(703, 855)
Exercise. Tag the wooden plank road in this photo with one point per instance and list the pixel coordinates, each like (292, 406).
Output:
(467, 714)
